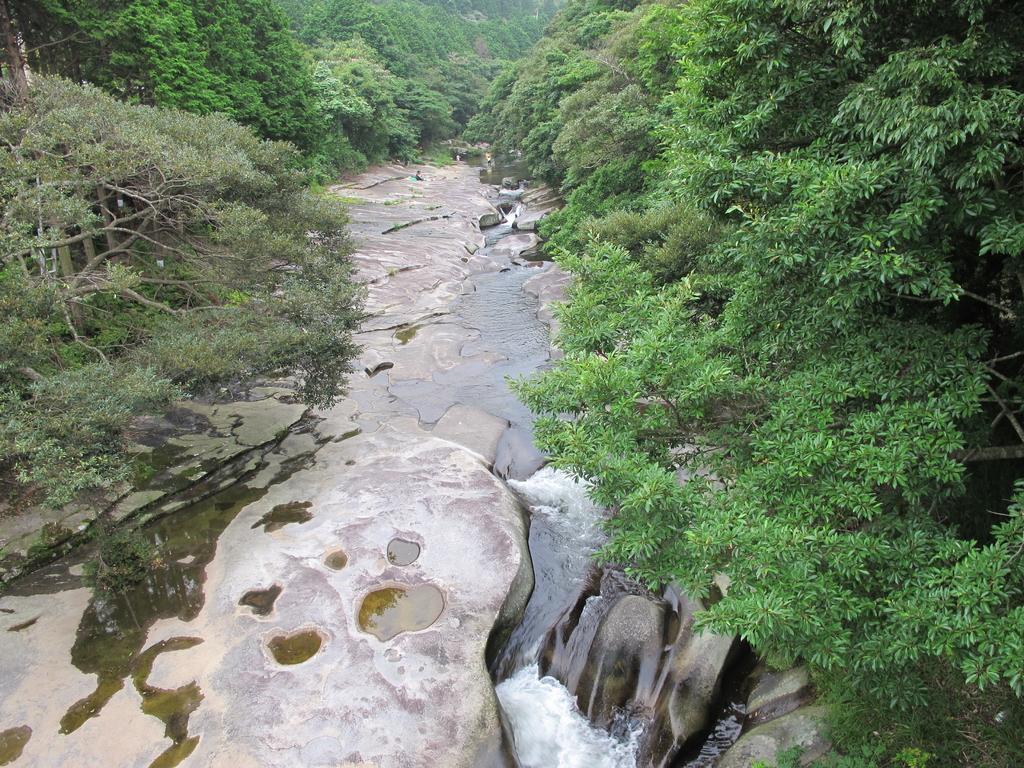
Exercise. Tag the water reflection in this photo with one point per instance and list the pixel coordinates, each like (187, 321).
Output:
(113, 628)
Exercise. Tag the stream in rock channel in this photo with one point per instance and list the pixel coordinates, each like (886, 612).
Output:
(318, 598)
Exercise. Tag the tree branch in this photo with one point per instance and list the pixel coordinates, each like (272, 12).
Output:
(1007, 412)
(991, 453)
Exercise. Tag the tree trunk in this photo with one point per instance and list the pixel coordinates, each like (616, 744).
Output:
(102, 197)
(992, 453)
(14, 59)
(67, 269)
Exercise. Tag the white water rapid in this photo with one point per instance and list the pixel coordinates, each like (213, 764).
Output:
(513, 214)
(547, 727)
(549, 731)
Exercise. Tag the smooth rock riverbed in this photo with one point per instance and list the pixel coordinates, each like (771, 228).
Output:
(188, 671)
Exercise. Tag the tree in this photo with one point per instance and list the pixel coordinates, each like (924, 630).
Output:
(157, 249)
(794, 351)
(233, 56)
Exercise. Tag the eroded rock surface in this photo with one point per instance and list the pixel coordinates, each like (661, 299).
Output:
(358, 698)
(195, 443)
(630, 657)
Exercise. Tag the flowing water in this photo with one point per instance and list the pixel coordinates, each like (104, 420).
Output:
(548, 729)
(510, 335)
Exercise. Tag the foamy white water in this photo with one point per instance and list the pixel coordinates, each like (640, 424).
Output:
(563, 498)
(547, 727)
(513, 214)
(549, 731)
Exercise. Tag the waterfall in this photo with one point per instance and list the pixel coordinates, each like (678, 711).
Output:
(513, 213)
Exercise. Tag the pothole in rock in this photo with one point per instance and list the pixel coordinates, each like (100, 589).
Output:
(283, 514)
(336, 560)
(406, 333)
(403, 552)
(389, 611)
(12, 742)
(261, 600)
(295, 648)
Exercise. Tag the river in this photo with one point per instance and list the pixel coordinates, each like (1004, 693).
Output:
(275, 628)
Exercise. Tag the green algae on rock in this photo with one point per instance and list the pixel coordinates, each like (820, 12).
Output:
(261, 600)
(113, 629)
(406, 334)
(171, 706)
(336, 560)
(12, 742)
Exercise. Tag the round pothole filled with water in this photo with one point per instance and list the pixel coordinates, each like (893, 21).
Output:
(296, 647)
(336, 560)
(403, 552)
(392, 610)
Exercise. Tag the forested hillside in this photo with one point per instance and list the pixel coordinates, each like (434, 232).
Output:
(796, 230)
(393, 75)
(348, 81)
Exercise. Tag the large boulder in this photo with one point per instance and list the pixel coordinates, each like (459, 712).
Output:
(690, 683)
(490, 218)
(623, 658)
(472, 428)
(803, 728)
(621, 650)
(777, 693)
(517, 458)
(362, 699)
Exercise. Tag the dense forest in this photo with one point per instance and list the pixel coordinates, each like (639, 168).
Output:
(347, 81)
(797, 230)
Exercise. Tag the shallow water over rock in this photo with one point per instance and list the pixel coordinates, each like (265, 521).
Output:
(285, 514)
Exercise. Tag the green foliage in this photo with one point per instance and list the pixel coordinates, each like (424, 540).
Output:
(957, 726)
(177, 252)
(66, 432)
(232, 56)
(397, 75)
(384, 78)
(794, 340)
